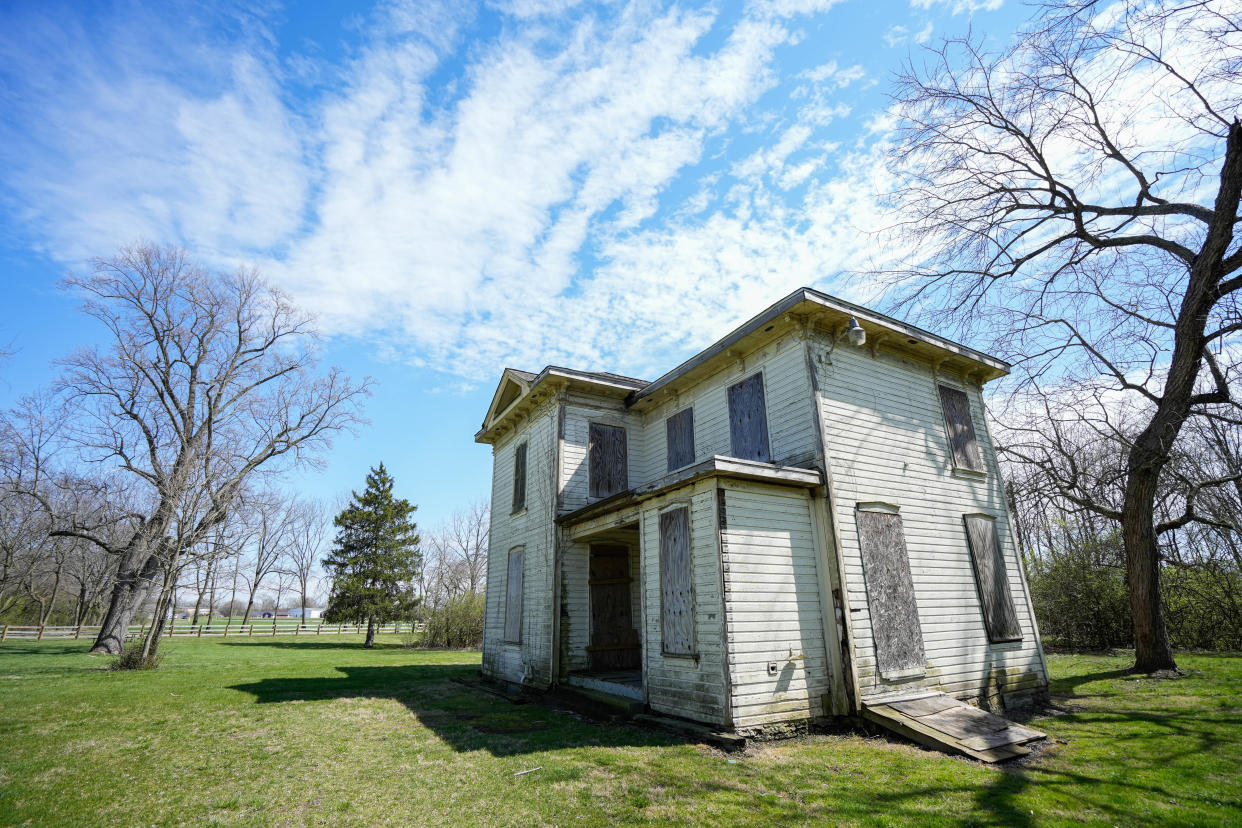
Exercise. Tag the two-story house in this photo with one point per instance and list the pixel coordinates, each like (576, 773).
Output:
(803, 520)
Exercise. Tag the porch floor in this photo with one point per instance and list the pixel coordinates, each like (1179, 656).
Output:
(625, 683)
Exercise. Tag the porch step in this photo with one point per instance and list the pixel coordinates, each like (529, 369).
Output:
(603, 684)
(940, 721)
(720, 739)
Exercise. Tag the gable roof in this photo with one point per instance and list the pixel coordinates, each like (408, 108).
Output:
(818, 308)
(804, 307)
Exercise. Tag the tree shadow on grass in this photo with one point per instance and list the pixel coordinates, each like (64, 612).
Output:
(320, 644)
(463, 717)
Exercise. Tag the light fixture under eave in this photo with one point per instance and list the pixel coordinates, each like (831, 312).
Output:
(856, 334)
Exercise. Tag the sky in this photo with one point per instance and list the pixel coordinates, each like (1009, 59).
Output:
(454, 188)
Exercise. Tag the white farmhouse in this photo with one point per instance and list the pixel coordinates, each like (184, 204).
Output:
(311, 612)
(804, 520)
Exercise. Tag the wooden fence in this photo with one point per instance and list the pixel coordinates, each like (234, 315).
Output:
(224, 629)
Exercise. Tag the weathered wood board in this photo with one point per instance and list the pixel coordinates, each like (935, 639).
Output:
(945, 723)
(676, 582)
(513, 596)
(609, 464)
(999, 614)
(962, 437)
(748, 420)
(519, 478)
(680, 433)
(890, 590)
(614, 641)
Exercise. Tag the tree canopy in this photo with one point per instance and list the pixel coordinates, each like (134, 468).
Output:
(1074, 199)
(375, 557)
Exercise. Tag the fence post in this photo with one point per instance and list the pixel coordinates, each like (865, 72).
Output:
(251, 633)
(273, 625)
(200, 630)
(4, 633)
(40, 636)
(226, 627)
(172, 625)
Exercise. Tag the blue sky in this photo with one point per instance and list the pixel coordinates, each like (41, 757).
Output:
(455, 188)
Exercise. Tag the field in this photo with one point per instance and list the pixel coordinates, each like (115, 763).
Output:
(279, 731)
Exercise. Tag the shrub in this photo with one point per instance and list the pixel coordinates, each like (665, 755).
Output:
(131, 658)
(457, 624)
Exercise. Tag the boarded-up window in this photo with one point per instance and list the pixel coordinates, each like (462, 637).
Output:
(608, 471)
(956, 405)
(680, 428)
(513, 597)
(519, 478)
(999, 615)
(748, 420)
(894, 612)
(676, 582)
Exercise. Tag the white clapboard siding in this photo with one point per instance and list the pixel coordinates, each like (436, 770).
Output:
(683, 686)
(529, 662)
(886, 442)
(772, 598)
(787, 397)
(575, 597)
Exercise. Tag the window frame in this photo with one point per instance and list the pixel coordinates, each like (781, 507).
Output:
(520, 452)
(513, 620)
(692, 644)
(593, 487)
(687, 412)
(958, 465)
(767, 426)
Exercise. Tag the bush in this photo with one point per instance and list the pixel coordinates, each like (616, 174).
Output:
(457, 624)
(1081, 598)
(131, 658)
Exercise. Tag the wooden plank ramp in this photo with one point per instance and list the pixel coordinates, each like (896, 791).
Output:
(942, 722)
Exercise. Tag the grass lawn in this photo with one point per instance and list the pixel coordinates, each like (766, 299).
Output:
(280, 731)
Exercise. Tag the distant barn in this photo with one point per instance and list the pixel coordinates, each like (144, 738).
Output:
(804, 520)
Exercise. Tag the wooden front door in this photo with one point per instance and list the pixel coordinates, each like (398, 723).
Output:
(614, 641)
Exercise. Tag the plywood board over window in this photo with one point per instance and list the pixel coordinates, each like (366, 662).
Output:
(519, 478)
(676, 582)
(513, 596)
(895, 626)
(608, 462)
(748, 420)
(961, 427)
(999, 615)
(680, 432)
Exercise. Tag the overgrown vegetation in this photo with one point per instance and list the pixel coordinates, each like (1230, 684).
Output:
(285, 731)
(133, 657)
(456, 624)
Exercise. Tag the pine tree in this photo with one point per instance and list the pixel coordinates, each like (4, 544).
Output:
(374, 559)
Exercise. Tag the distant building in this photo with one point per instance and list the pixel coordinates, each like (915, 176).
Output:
(311, 612)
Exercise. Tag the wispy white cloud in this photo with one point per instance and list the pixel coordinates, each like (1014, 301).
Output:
(562, 198)
(959, 6)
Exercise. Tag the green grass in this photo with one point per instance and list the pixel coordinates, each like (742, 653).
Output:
(281, 731)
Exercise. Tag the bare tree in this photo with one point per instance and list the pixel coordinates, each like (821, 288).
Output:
(207, 380)
(271, 519)
(308, 528)
(465, 542)
(1079, 195)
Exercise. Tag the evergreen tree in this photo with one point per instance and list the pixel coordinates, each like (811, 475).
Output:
(374, 559)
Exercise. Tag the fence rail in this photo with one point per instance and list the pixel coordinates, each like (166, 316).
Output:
(250, 629)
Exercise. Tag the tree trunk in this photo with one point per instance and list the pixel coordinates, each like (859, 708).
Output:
(1150, 452)
(1151, 639)
(51, 605)
(131, 589)
(370, 642)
